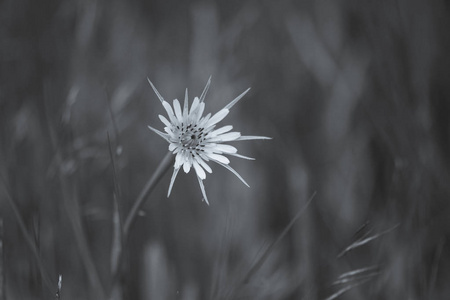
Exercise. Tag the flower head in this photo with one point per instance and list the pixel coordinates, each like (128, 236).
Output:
(194, 139)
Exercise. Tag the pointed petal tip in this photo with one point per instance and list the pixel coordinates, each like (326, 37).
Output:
(202, 187)
(172, 180)
(242, 156)
(155, 90)
(161, 134)
(232, 103)
(205, 90)
(226, 166)
(209, 80)
(151, 128)
(252, 137)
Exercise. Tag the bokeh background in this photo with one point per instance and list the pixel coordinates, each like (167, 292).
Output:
(353, 93)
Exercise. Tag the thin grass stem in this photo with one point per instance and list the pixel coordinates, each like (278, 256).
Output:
(117, 236)
(29, 240)
(257, 265)
(148, 188)
(73, 211)
(2, 265)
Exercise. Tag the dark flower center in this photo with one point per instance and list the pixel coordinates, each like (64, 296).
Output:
(190, 136)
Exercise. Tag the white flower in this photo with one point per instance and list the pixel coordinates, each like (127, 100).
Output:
(194, 139)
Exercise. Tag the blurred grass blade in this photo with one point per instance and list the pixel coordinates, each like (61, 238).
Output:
(357, 275)
(115, 127)
(357, 272)
(346, 289)
(29, 240)
(117, 238)
(71, 205)
(435, 267)
(364, 240)
(220, 265)
(266, 254)
(116, 247)
(2, 265)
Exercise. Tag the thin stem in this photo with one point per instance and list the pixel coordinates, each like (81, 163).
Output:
(29, 239)
(266, 254)
(121, 235)
(117, 236)
(2, 265)
(71, 205)
(151, 183)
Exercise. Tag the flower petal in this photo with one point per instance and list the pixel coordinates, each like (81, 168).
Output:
(172, 147)
(198, 169)
(186, 166)
(179, 160)
(209, 148)
(218, 117)
(230, 105)
(227, 137)
(168, 130)
(199, 113)
(156, 91)
(204, 164)
(161, 134)
(204, 120)
(252, 137)
(233, 171)
(241, 156)
(194, 105)
(217, 157)
(186, 105)
(164, 120)
(205, 90)
(172, 180)
(177, 108)
(204, 156)
(221, 130)
(177, 150)
(225, 148)
(170, 113)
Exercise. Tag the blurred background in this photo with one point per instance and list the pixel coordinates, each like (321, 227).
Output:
(353, 93)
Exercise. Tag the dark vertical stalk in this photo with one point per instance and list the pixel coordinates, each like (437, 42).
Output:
(29, 240)
(2, 265)
(151, 183)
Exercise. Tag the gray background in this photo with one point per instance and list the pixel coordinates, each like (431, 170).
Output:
(354, 94)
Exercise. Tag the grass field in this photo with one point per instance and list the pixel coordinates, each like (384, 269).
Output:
(349, 200)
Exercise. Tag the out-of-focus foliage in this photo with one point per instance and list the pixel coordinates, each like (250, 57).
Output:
(354, 94)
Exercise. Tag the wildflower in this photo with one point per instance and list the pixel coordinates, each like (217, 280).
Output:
(194, 139)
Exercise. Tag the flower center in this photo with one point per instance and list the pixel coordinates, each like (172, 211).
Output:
(190, 136)
(189, 139)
